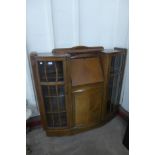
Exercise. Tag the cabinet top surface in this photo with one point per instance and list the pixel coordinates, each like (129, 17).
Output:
(61, 55)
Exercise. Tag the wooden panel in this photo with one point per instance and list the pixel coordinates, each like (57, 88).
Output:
(106, 68)
(77, 49)
(88, 105)
(85, 71)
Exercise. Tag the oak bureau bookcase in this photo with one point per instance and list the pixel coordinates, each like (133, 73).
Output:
(77, 88)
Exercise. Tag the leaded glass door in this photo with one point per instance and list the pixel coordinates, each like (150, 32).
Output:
(51, 75)
(115, 80)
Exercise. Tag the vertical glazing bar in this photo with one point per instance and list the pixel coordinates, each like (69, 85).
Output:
(57, 95)
(117, 88)
(118, 78)
(122, 74)
(113, 91)
(49, 94)
(113, 84)
(45, 71)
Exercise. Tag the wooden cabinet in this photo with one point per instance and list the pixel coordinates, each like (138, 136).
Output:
(77, 87)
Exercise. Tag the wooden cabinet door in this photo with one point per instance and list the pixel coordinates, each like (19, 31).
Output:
(51, 86)
(88, 106)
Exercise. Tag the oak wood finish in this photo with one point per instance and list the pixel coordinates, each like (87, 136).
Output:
(86, 76)
(78, 50)
(88, 105)
(89, 67)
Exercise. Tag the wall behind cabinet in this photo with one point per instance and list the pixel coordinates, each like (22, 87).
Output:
(66, 23)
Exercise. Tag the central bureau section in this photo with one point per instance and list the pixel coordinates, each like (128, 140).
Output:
(87, 91)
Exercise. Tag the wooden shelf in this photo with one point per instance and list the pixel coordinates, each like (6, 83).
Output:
(58, 112)
(52, 77)
(55, 96)
(52, 83)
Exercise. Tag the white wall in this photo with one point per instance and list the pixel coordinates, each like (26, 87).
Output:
(125, 88)
(66, 23)
(30, 93)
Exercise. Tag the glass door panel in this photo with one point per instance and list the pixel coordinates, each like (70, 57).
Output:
(53, 95)
(50, 71)
(115, 81)
(56, 120)
(117, 63)
(59, 70)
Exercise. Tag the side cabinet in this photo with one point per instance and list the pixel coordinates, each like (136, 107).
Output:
(114, 65)
(50, 76)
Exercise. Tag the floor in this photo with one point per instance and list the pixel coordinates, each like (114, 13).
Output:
(106, 140)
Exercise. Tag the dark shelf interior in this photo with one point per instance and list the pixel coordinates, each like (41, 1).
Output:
(53, 92)
(115, 82)
(50, 71)
(57, 119)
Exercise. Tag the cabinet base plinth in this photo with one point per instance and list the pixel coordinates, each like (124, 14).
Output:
(76, 130)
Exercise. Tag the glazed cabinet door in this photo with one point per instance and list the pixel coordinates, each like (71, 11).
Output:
(88, 106)
(51, 86)
(115, 80)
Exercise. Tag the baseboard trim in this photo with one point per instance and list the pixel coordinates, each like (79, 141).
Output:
(33, 122)
(123, 113)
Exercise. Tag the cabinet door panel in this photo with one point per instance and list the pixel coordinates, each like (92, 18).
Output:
(50, 71)
(53, 88)
(88, 105)
(86, 71)
(115, 80)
